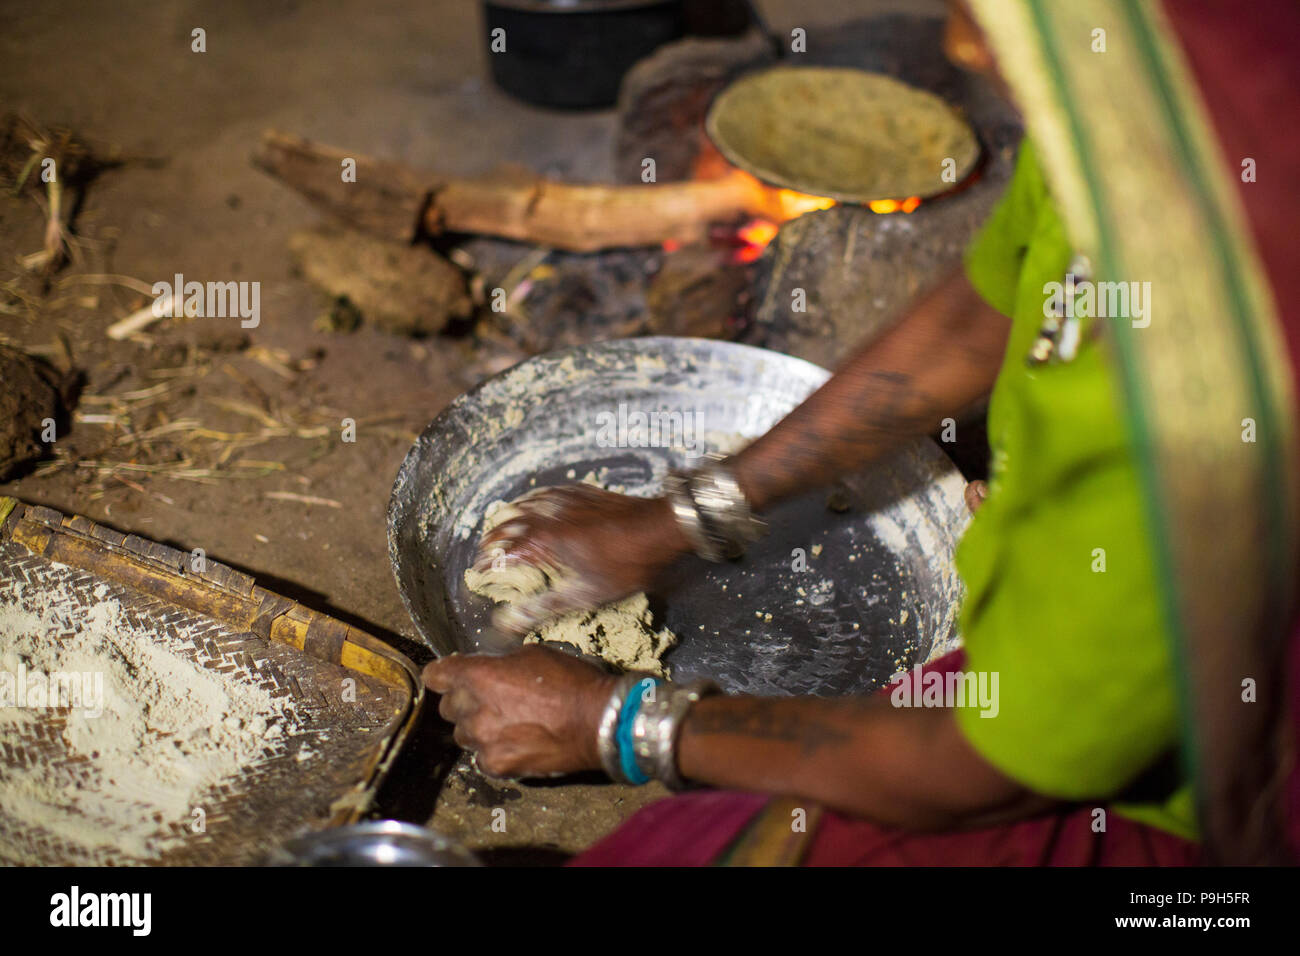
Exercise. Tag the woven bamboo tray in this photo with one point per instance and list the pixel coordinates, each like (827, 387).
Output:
(219, 620)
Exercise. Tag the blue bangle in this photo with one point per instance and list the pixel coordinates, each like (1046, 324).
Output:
(623, 735)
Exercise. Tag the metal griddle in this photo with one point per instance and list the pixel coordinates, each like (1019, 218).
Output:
(537, 424)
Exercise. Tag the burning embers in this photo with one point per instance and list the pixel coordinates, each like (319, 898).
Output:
(778, 206)
(756, 234)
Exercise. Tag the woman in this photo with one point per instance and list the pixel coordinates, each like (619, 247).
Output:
(1087, 566)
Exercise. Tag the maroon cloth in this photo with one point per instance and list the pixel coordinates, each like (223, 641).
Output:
(695, 829)
(1246, 60)
(690, 830)
(1293, 789)
(1245, 63)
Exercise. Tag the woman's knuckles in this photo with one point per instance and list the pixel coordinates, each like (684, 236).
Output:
(464, 738)
(446, 709)
(495, 765)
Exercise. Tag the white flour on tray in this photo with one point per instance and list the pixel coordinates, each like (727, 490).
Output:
(151, 732)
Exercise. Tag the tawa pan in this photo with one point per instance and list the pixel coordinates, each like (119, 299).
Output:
(830, 602)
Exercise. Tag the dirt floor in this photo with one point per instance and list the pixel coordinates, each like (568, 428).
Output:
(217, 424)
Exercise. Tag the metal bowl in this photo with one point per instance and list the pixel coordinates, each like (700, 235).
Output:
(378, 843)
(829, 602)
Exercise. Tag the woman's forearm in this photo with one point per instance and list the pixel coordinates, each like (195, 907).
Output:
(906, 767)
(937, 362)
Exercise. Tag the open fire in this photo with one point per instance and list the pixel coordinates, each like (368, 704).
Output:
(779, 205)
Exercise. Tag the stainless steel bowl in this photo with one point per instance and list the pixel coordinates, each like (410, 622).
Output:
(878, 591)
(377, 843)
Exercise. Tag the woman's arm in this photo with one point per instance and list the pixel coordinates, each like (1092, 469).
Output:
(906, 767)
(936, 363)
(940, 359)
(536, 711)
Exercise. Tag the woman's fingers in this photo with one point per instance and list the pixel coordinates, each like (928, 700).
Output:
(585, 545)
(535, 551)
(976, 492)
(457, 705)
(464, 738)
(531, 612)
(506, 531)
(523, 713)
(440, 675)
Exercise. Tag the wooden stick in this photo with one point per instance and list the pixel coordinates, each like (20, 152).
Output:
(394, 201)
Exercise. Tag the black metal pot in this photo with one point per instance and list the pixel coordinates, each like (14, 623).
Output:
(572, 54)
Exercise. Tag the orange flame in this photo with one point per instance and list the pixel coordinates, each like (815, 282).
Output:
(754, 237)
(774, 205)
(793, 205)
(884, 206)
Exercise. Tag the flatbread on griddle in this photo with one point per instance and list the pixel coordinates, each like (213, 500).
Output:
(846, 134)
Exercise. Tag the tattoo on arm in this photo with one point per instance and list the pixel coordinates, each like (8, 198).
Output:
(836, 431)
(768, 720)
(935, 363)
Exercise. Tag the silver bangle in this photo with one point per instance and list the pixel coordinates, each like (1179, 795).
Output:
(657, 726)
(606, 745)
(677, 489)
(711, 509)
(723, 505)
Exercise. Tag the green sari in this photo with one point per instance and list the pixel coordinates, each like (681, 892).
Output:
(1134, 169)
(1062, 592)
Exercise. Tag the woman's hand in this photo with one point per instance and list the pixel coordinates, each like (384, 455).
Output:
(531, 713)
(608, 545)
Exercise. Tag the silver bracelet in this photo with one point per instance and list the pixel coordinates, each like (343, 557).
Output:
(677, 489)
(657, 726)
(712, 511)
(606, 745)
